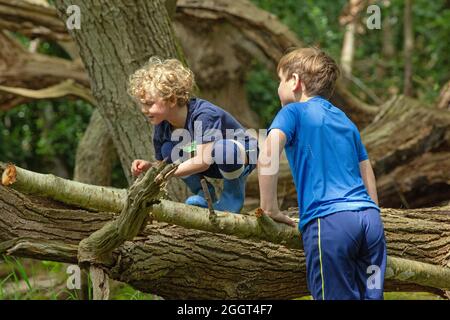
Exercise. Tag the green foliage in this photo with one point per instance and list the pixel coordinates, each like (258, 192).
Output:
(430, 58)
(34, 135)
(262, 89)
(316, 23)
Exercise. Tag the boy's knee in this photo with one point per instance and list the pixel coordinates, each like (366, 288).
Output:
(228, 152)
(229, 155)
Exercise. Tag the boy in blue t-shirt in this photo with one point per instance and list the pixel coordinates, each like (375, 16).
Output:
(340, 224)
(204, 139)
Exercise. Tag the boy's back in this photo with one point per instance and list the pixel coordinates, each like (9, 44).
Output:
(324, 149)
(340, 222)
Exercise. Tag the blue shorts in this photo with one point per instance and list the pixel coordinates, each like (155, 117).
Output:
(346, 255)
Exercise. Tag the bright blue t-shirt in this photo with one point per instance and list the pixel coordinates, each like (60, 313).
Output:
(324, 148)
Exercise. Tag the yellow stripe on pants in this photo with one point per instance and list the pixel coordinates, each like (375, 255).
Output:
(321, 267)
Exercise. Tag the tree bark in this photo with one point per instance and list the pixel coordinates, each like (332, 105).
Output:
(409, 146)
(95, 155)
(408, 48)
(32, 20)
(157, 260)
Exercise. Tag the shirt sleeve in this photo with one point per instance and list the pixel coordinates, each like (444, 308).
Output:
(207, 128)
(285, 121)
(362, 152)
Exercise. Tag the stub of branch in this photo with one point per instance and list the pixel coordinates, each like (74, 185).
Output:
(100, 283)
(9, 175)
(273, 230)
(144, 193)
(212, 213)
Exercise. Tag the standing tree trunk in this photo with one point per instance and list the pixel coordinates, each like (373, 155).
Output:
(115, 39)
(95, 155)
(388, 43)
(408, 48)
(350, 20)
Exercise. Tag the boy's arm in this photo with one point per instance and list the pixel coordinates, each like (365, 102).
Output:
(369, 179)
(268, 167)
(199, 163)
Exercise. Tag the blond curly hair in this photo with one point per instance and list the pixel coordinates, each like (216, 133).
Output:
(166, 79)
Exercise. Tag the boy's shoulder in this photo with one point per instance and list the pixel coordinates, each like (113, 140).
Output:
(203, 108)
(318, 101)
(321, 106)
(198, 105)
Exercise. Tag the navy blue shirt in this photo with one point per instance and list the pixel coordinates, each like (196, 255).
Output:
(205, 122)
(324, 148)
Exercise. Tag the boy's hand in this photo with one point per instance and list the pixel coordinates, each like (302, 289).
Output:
(138, 166)
(279, 217)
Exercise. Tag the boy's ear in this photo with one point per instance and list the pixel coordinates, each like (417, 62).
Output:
(296, 82)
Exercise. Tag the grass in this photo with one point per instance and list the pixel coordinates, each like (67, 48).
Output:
(17, 276)
(122, 291)
(13, 274)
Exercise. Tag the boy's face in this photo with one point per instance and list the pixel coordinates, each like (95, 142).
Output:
(286, 89)
(156, 109)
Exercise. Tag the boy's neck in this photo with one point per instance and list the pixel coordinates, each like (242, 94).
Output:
(178, 118)
(304, 98)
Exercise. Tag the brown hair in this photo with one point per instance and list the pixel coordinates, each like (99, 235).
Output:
(315, 68)
(166, 79)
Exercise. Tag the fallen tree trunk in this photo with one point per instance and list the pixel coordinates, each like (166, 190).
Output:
(176, 262)
(22, 69)
(32, 20)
